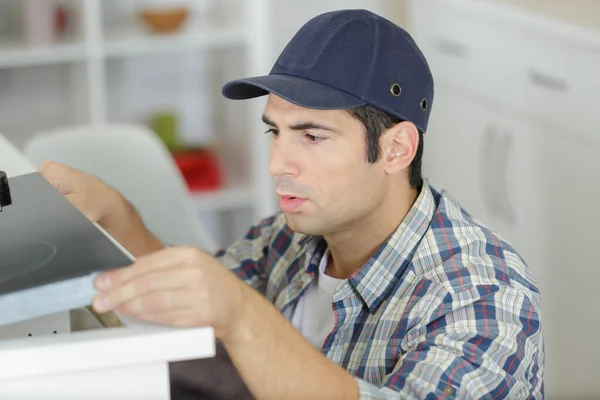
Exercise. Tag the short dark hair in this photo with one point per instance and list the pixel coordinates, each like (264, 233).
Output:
(376, 122)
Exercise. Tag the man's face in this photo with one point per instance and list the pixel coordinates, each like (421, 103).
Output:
(318, 160)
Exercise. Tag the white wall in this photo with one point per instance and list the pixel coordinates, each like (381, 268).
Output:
(580, 12)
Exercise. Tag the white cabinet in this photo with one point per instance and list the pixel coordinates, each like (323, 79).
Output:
(562, 93)
(515, 136)
(485, 159)
(572, 183)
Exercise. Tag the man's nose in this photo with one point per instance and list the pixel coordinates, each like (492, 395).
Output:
(283, 156)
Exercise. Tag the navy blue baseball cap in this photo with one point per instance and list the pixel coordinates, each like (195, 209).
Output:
(345, 59)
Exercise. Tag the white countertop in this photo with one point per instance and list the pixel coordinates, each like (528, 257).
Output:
(100, 349)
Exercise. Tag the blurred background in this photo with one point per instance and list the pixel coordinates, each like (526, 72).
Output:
(514, 133)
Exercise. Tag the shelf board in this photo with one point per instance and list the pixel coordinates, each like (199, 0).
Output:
(137, 41)
(224, 199)
(17, 53)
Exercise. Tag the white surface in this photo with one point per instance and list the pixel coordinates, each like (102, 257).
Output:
(535, 79)
(133, 160)
(100, 349)
(53, 324)
(136, 353)
(135, 382)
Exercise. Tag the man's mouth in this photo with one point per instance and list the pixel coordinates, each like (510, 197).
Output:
(289, 203)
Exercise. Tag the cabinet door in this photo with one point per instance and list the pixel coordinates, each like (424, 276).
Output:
(562, 94)
(486, 160)
(570, 296)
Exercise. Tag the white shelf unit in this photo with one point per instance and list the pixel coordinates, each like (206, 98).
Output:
(132, 43)
(15, 53)
(83, 79)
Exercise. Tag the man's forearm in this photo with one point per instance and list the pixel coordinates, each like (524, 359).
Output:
(276, 362)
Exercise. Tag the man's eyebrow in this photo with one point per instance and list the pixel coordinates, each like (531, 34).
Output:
(267, 121)
(302, 126)
(312, 125)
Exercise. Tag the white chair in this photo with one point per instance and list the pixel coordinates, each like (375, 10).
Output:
(132, 159)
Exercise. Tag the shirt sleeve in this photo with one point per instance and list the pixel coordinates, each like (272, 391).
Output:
(247, 256)
(486, 343)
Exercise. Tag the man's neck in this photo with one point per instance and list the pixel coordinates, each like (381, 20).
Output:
(351, 249)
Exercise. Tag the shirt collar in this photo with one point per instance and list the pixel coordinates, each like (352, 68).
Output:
(375, 280)
(314, 247)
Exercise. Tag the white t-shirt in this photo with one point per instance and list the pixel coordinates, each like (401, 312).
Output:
(313, 315)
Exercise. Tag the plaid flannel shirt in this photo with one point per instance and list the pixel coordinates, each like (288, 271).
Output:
(444, 309)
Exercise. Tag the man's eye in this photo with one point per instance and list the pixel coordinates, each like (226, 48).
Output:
(273, 132)
(313, 138)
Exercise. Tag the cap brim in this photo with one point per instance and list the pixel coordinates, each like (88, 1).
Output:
(302, 92)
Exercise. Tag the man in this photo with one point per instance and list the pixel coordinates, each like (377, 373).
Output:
(370, 283)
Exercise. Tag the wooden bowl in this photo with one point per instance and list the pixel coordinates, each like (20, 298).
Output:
(164, 20)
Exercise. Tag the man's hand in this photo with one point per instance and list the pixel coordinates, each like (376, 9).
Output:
(104, 205)
(96, 200)
(182, 287)
(186, 287)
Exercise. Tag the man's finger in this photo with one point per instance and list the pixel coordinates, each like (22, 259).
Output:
(158, 302)
(168, 258)
(46, 166)
(144, 284)
(54, 174)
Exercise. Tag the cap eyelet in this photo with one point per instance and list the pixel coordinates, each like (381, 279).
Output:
(424, 104)
(396, 90)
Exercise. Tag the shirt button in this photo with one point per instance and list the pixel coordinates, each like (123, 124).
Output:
(448, 390)
(299, 285)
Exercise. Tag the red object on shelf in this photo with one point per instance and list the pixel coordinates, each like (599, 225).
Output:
(60, 20)
(200, 169)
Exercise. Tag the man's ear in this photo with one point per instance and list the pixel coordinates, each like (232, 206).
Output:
(399, 146)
